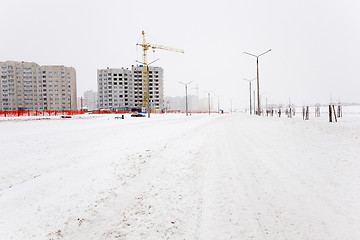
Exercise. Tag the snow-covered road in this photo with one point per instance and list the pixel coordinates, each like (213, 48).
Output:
(172, 177)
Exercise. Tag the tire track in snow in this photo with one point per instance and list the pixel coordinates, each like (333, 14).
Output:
(134, 205)
(235, 205)
(225, 208)
(246, 165)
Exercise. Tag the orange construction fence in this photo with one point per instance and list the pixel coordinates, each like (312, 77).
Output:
(194, 112)
(18, 113)
(110, 112)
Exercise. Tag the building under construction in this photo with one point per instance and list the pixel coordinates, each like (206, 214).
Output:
(123, 88)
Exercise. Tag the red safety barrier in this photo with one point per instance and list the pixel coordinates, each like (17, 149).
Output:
(20, 113)
(192, 112)
(110, 112)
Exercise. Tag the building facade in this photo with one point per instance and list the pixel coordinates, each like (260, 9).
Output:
(120, 88)
(179, 103)
(29, 86)
(90, 100)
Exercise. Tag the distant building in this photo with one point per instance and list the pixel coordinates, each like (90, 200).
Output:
(79, 103)
(175, 103)
(90, 100)
(120, 88)
(194, 103)
(29, 86)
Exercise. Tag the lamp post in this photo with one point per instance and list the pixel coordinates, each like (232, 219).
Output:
(250, 91)
(257, 74)
(254, 101)
(208, 100)
(218, 96)
(186, 101)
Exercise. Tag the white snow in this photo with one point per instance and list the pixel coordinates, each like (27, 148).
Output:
(176, 177)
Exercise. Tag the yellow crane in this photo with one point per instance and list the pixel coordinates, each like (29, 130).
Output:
(146, 46)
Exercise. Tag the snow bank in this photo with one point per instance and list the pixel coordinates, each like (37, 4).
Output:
(177, 177)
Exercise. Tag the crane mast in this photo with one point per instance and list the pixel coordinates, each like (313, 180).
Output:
(146, 46)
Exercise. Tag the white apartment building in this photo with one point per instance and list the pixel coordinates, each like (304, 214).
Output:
(90, 100)
(29, 86)
(120, 88)
(179, 103)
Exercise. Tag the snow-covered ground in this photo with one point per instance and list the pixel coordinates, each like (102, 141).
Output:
(176, 177)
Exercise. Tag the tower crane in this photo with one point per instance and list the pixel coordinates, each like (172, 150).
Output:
(146, 46)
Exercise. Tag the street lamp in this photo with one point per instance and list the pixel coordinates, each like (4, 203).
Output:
(186, 101)
(254, 107)
(250, 91)
(218, 103)
(257, 67)
(147, 87)
(208, 99)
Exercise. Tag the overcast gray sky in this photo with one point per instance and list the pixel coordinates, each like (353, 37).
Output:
(315, 43)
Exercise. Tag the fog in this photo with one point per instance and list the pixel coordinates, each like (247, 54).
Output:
(315, 44)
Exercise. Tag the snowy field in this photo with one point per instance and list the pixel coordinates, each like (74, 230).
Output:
(175, 177)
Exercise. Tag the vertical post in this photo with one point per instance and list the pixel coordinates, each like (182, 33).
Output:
(250, 97)
(254, 102)
(307, 113)
(341, 111)
(209, 102)
(333, 107)
(186, 101)
(266, 104)
(330, 114)
(258, 87)
(303, 111)
(147, 90)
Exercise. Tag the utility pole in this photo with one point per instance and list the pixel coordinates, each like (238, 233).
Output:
(257, 74)
(254, 101)
(81, 103)
(290, 111)
(196, 104)
(218, 103)
(250, 91)
(186, 100)
(208, 100)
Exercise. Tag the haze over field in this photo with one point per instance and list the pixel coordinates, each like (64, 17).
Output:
(315, 43)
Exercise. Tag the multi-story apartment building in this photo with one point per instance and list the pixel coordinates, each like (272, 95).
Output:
(27, 85)
(90, 100)
(120, 88)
